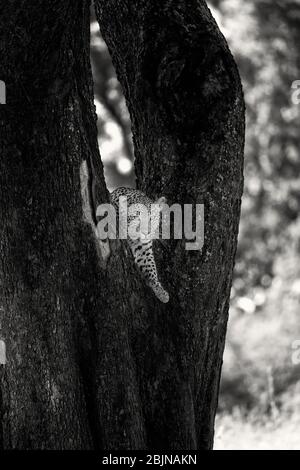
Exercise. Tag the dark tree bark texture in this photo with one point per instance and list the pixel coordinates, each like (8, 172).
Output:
(94, 361)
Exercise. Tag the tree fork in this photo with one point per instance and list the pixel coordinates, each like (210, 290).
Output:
(93, 360)
(185, 99)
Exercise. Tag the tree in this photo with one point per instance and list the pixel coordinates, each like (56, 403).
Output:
(93, 359)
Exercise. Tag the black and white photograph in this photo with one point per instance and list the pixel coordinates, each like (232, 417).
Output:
(149, 229)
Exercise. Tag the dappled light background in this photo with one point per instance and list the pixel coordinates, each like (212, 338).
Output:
(259, 404)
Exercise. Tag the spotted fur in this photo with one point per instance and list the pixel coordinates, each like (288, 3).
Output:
(142, 248)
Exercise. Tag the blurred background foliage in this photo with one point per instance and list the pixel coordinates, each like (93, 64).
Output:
(260, 392)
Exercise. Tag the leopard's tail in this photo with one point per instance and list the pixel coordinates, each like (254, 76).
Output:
(142, 251)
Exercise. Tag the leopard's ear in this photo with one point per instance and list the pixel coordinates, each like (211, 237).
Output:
(161, 201)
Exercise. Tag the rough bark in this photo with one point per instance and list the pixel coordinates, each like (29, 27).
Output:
(93, 359)
(185, 99)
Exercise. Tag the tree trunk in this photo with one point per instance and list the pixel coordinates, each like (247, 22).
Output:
(93, 359)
